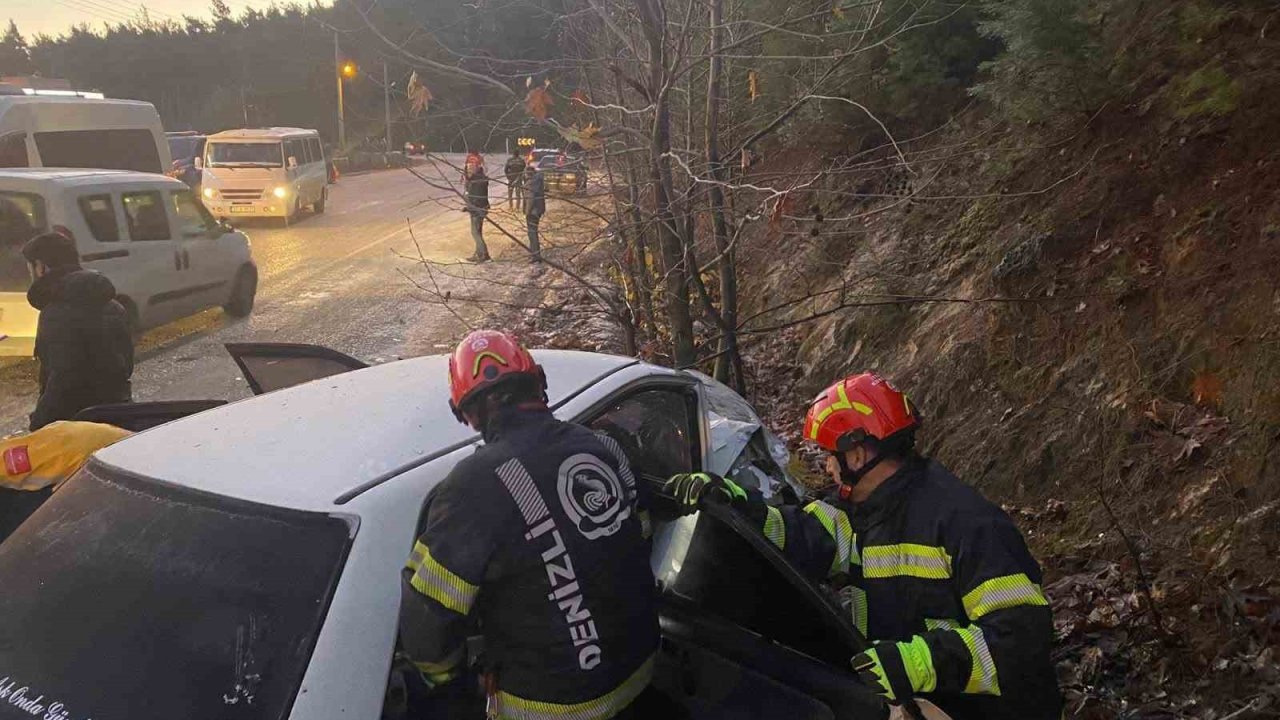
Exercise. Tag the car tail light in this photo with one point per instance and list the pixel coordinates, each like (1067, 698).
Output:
(64, 231)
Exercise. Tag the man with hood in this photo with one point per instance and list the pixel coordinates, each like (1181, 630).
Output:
(83, 338)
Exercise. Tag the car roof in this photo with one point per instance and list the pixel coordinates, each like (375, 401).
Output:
(310, 445)
(80, 176)
(271, 133)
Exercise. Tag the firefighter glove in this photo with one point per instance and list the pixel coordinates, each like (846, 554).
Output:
(691, 489)
(897, 671)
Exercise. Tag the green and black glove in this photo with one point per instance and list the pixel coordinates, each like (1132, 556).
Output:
(690, 489)
(897, 671)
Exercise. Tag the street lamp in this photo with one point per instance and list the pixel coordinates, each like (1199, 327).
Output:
(344, 69)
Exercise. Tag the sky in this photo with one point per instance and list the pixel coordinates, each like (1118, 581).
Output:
(55, 16)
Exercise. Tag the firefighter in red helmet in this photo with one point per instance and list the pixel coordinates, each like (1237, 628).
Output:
(936, 576)
(538, 540)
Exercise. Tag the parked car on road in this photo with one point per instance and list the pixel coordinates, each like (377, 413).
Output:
(79, 132)
(246, 559)
(563, 173)
(149, 234)
(185, 147)
(264, 172)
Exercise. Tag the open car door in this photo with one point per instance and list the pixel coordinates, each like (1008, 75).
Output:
(137, 417)
(275, 366)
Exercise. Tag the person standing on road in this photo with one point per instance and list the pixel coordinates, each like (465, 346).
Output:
(536, 208)
(83, 340)
(514, 170)
(478, 208)
(539, 538)
(935, 575)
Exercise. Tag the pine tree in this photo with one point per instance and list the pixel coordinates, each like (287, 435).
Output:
(15, 57)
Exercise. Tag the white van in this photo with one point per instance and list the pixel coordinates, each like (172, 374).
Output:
(75, 132)
(149, 234)
(264, 172)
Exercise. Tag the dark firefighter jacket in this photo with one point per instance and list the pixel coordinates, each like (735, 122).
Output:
(82, 342)
(927, 555)
(539, 537)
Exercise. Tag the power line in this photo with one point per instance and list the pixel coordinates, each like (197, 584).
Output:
(98, 13)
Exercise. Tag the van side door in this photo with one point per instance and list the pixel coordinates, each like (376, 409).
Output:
(157, 262)
(205, 249)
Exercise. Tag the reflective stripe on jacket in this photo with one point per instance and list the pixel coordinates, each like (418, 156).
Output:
(538, 536)
(927, 555)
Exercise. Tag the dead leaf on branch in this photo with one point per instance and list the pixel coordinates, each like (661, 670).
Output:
(579, 97)
(538, 102)
(587, 138)
(419, 96)
(753, 85)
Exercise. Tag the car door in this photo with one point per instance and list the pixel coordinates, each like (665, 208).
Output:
(209, 262)
(745, 636)
(155, 257)
(275, 366)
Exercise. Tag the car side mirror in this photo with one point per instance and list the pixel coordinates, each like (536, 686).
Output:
(293, 161)
(198, 162)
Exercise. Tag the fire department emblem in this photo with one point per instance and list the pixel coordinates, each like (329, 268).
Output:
(592, 496)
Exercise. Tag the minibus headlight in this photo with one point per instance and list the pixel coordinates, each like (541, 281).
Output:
(280, 192)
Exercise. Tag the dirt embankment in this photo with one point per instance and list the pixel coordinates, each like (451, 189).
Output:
(1091, 323)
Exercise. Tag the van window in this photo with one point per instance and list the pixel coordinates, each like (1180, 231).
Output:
(255, 154)
(21, 218)
(193, 219)
(106, 149)
(100, 215)
(317, 150)
(127, 597)
(145, 213)
(296, 149)
(13, 150)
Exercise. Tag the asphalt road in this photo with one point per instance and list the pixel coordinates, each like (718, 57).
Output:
(336, 280)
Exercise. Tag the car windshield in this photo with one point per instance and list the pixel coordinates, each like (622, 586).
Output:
(130, 598)
(263, 154)
(551, 162)
(186, 147)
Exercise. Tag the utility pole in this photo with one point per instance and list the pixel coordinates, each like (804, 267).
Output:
(386, 102)
(337, 73)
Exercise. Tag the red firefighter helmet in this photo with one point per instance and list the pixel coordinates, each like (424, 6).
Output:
(484, 359)
(855, 409)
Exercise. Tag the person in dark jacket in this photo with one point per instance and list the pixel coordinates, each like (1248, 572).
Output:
(935, 575)
(478, 208)
(540, 539)
(537, 207)
(83, 340)
(514, 170)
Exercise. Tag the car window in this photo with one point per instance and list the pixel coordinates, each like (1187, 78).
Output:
(317, 150)
(13, 150)
(100, 215)
(657, 429)
(123, 593)
(193, 219)
(108, 149)
(22, 217)
(146, 217)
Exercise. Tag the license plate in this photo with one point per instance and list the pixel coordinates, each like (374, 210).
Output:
(241, 209)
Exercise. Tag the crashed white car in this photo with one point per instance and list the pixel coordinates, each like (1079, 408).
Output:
(243, 562)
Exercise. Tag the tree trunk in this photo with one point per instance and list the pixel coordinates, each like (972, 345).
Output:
(727, 355)
(670, 242)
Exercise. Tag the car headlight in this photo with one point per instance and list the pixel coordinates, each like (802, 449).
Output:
(280, 192)
(210, 193)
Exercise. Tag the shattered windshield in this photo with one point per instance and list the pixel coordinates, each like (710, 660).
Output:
(128, 598)
(263, 154)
